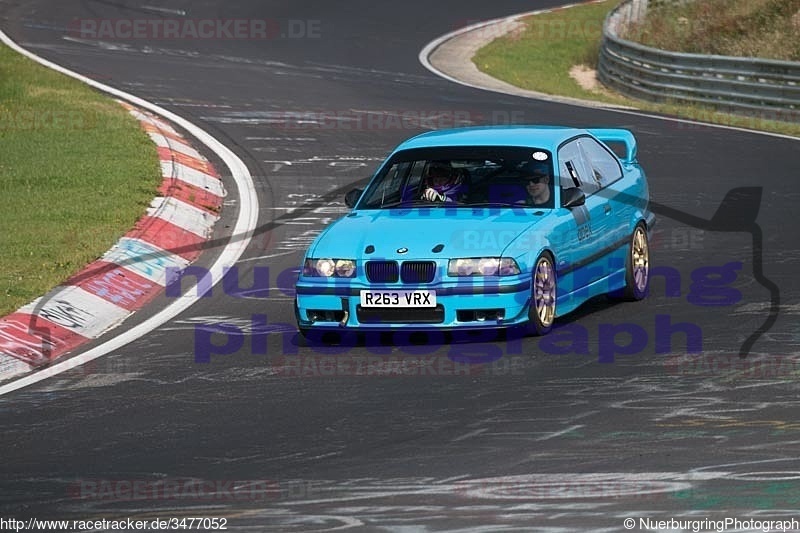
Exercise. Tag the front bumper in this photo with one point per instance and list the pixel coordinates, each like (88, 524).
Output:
(335, 305)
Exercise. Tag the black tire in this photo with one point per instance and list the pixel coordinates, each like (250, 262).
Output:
(544, 288)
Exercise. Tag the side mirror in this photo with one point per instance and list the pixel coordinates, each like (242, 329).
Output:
(572, 197)
(351, 198)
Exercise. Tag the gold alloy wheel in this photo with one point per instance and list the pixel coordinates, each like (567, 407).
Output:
(640, 259)
(544, 291)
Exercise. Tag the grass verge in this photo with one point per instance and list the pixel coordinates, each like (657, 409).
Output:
(745, 28)
(76, 172)
(540, 58)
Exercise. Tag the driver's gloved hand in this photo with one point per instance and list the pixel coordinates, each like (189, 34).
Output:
(433, 196)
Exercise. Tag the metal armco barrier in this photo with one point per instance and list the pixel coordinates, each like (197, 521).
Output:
(767, 88)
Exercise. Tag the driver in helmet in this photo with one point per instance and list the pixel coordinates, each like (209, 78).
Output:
(442, 183)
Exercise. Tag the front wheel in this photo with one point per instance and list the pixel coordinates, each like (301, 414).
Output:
(637, 265)
(542, 311)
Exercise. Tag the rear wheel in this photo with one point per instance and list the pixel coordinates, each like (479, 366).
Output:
(542, 310)
(637, 265)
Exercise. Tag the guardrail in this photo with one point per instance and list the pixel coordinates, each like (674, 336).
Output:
(742, 85)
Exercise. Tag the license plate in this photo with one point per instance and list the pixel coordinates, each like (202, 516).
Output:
(398, 298)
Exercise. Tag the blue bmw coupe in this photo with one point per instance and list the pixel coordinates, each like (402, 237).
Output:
(484, 227)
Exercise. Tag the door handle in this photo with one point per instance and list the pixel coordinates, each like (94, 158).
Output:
(607, 209)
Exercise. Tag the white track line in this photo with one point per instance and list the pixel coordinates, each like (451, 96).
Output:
(242, 231)
(429, 48)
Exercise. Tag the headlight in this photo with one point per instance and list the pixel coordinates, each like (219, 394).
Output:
(483, 266)
(345, 268)
(487, 266)
(508, 267)
(339, 268)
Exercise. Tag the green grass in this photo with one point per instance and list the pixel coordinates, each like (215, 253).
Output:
(748, 28)
(76, 172)
(540, 58)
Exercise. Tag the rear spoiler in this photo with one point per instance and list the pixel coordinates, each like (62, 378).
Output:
(618, 135)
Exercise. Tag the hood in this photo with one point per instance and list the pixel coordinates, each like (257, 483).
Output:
(459, 232)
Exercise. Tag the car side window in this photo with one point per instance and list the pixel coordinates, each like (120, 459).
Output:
(416, 175)
(605, 168)
(390, 186)
(573, 169)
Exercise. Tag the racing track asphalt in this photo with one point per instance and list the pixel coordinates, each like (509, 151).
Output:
(535, 439)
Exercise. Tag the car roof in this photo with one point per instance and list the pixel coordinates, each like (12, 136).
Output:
(546, 137)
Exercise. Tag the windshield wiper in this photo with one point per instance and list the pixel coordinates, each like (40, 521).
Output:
(396, 203)
(497, 204)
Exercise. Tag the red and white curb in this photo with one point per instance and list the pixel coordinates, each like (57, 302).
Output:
(244, 226)
(100, 297)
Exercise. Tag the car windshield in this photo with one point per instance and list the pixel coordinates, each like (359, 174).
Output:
(463, 177)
